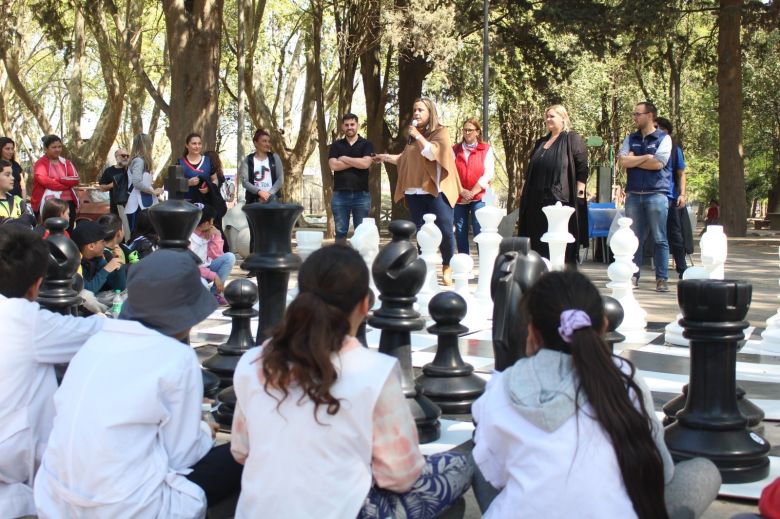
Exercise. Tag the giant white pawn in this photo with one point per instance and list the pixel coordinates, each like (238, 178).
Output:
(462, 266)
(429, 238)
(308, 242)
(624, 244)
(489, 241)
(713, 248)
(770, 338)
(365, 240)
(557, 235)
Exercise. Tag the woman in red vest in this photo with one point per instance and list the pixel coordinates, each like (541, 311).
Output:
(475, 163)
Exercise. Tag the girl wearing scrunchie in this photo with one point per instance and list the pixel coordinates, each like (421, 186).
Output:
(570, 430)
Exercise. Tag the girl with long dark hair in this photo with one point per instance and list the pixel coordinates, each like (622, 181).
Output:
(8, 152)
(570, 430)
(197, 167)
(321, 423)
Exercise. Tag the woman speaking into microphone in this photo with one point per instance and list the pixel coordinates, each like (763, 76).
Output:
(428, 179)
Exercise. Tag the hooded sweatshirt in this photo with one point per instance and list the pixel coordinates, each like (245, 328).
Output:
(549, 458)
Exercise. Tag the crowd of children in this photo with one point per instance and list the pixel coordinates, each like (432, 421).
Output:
(321, 426)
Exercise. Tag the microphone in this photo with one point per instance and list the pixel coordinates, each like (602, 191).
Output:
(412, 139)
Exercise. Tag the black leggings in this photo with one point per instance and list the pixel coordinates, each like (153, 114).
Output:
(218, 474)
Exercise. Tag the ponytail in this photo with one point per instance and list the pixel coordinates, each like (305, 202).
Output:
(333, 281)
(608, 390)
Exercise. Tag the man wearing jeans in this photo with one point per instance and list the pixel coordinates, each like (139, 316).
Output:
(349, 159)
(645, 155)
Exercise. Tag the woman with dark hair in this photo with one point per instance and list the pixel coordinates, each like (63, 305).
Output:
(476, 165)
(557, 172)
(570, 430)
(197, 167)
(55, 177)
(312, 403)
(262, 173)
(52, 208)
(8, 152)
(427, 176)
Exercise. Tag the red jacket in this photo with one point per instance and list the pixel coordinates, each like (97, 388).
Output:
(470, 170)
(47, 177)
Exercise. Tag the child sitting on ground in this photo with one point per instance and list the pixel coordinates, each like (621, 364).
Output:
(144, 239)
(12, 207)
(570, 430)
(330, 415)
(34, 340)
(114, 238)
(207, 243)
(53, 208)
(100, 274)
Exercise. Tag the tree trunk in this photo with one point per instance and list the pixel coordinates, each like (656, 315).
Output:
(733, 205)
(371, 73)
(193, 30)
(322, 132)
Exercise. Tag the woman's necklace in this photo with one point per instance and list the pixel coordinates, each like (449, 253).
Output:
(547, 145)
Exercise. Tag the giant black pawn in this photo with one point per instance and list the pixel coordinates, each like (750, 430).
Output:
(241, 295)
(399, 274)
(517, 267)
(57, 293)
(613, 311)
(448, 381)
(174, 221)
(272, 259)
(710, 425)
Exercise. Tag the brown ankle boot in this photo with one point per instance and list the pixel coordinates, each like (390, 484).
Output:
(446, 275)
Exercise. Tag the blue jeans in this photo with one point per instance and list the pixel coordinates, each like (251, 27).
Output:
(438, 205)
(222, 267)
(649, 213)
(462, 214)
(345, 202)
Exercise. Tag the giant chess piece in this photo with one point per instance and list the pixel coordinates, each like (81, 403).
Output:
(489, 242)
(448, 381)
(557, 235)
(517, 268)
(399, 274)
(614, 314)
(624, 244)
(365, 240)
(714, 250)
(241, 295)
(308, 242)
(272, 260)
(711, 425)
(770, 338)
(476, 315)
(57, 293)
(174, 221)
(429, 238)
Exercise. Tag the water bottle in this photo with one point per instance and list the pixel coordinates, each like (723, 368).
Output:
(116, 304)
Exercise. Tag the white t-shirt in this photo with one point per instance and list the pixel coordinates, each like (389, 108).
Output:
(261, 176)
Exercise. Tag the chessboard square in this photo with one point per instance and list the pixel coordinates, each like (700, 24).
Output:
(453, 433)
(752, 490)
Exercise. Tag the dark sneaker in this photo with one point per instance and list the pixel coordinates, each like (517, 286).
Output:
(661, 285)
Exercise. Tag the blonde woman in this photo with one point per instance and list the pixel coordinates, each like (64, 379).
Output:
(142, 194)
(427, 176)
(557, 172)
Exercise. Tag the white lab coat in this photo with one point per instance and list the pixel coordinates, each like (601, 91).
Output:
(128, 427)
(33, 340)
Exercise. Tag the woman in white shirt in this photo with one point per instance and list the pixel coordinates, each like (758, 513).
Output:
(321, 423)
(570, 430)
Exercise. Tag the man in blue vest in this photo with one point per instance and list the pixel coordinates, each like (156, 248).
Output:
(645, 155)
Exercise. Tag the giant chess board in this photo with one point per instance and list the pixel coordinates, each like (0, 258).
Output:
(664, 368)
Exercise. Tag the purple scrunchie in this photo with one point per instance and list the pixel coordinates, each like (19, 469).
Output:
(571, 321)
